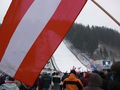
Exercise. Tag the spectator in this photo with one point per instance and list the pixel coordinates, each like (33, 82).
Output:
(72, 82)
(114, 83)
(86, 78)
(2, 78)
(94, 83)
(45, 81)
(9, 85)
(64, 76)
(80, 76)
(56, 81)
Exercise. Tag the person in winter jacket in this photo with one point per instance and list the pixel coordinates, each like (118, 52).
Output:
(94, 83)
(72, 82)
(2, 79)
(9, 84)
(56, 81)
(114, 83)
(45, 81)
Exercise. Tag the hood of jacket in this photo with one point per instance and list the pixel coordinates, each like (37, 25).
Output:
(72, 77)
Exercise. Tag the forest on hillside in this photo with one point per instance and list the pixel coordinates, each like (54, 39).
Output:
(86, 38)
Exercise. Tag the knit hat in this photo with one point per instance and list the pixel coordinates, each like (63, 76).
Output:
(73, 71)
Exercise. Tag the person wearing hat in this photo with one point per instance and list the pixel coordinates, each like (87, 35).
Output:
(72, 82)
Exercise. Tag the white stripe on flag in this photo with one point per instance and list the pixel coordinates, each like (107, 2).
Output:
(26, 33)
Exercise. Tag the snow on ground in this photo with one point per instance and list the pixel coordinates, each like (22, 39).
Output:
(65, 59)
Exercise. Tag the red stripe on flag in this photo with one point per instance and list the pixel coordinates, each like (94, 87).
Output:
(14, 15)
(48, 40)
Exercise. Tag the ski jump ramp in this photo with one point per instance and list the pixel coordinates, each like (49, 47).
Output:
(65, 60)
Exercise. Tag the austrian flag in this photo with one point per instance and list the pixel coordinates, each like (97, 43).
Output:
(31, 32)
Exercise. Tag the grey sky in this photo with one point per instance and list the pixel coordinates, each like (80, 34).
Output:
(90, 15)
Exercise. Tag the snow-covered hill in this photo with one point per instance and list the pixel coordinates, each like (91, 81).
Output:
(66, 60)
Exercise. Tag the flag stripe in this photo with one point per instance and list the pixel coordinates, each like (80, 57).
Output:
(15, 13)
(26, 33)
(30, 33)
(48, 40)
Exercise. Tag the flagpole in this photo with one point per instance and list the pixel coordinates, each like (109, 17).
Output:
(117, 22)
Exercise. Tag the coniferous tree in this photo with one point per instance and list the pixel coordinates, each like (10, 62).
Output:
(86, 38)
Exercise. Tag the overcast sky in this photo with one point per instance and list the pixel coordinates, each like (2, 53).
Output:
(90, 15)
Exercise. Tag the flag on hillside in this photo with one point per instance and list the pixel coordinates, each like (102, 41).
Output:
(31, 32)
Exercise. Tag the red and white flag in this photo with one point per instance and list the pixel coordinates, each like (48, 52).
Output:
(31, 32)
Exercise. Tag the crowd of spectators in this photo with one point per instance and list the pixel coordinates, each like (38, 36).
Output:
(95, 80)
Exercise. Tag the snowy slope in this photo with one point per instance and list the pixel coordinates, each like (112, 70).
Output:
(65, 59)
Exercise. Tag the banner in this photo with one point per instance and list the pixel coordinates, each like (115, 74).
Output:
(31, 32)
